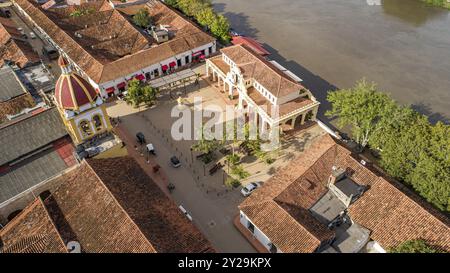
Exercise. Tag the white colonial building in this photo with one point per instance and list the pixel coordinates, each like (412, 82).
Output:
(276, 96)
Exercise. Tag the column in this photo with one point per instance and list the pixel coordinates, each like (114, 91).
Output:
(293, 122)
(314, 117)
(240, 102)
(303, 118)
(230, 89)
(207, 69)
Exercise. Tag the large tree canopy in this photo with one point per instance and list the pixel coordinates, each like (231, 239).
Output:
(205, 15)
(413, 246)
(411, 149)
(361, 107)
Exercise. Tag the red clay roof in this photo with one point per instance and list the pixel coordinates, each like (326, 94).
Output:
(31, 232)
(265, 73)
(392, 215)
(72, 91)
(252, 43)
(110, 46)
(13, 47)
(111, 205)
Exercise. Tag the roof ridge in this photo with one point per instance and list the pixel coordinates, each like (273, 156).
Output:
(296, 222)
(20, 216)
(26, 117)
(65, 33)
(52, 223)
(117, 202)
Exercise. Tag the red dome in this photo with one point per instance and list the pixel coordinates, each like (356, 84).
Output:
(72, 91)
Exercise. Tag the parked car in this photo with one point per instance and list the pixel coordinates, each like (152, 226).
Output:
(140, 138)
(175, 162)
(151, 149)
(91, 152)
(247, 190)
(32, 35)
(183, 210)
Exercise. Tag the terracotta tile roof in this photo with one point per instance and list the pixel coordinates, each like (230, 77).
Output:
(257, 67)
(395, 217)
(32, 231)
(15, 105)
(392, 215)
(13, 47)
(110, 46)
(111, 205)
(283, 109)
(252, 43)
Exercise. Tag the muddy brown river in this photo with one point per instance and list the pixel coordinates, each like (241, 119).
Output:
(402, 45)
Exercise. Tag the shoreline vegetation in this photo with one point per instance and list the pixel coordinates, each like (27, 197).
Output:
(204, 14)
(437, 3)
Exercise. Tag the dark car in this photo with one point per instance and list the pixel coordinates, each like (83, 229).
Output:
(175, 162)
(140, 138)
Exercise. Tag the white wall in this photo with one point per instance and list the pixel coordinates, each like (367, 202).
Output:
(259, 235)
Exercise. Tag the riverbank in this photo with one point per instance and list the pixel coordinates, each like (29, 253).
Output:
(438, 3)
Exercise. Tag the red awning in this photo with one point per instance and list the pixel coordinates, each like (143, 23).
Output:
(202, 57)
(110, 90)
(140, 77)
(164, 67)
(197, 53)
(121, 85)
(173, 64)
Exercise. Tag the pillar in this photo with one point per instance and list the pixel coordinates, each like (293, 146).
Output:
(293, 121)
(303, 119)
(230, 89)
(314, 117)
(240, 106)
(207, 69)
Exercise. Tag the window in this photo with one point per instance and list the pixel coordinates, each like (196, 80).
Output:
(85, 128)
(98, 124)
(186, 59)
(179, 62)
(210, 50)
(251, 227)
(273, 248)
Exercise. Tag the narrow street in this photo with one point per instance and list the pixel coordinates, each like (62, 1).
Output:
(213, 217)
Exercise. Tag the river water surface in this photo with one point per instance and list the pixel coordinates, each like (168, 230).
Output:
(402, 45)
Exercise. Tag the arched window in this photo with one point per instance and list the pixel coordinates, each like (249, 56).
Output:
(85, 128)
(97, 121)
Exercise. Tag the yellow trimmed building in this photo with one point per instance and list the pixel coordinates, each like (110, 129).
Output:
(81, 107)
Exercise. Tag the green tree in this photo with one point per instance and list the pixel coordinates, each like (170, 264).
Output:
(172, 3)
(134, 93)
(413, 246)
(149, 95)
(206, 144)
(193, 7)
(220, 28)
(142, 18)
(362, 107)
(137, 93)
(206, 17)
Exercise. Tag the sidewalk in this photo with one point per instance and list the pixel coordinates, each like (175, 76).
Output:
(159, 178)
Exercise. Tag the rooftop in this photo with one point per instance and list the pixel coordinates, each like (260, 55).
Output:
(13, 47)
(255, 66)
(106, 45)
(10, 85)
(110, 205)
(297, 199)
(32, 132)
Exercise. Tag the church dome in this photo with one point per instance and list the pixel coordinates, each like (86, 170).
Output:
(71, 90)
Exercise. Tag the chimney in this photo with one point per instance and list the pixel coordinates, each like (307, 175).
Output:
(336, 175)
